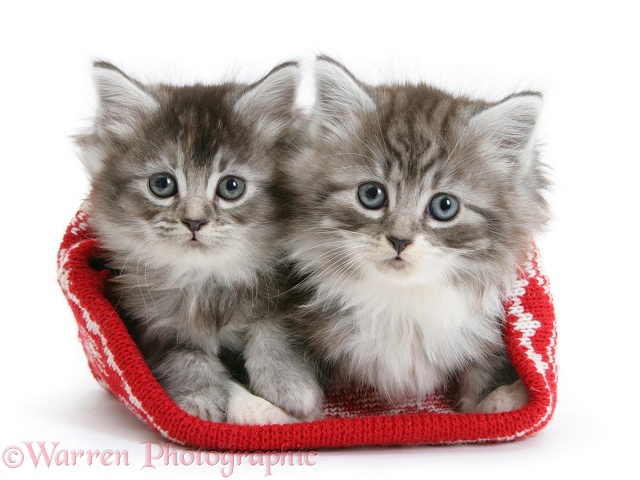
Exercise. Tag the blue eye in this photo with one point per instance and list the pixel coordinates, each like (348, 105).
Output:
(372, 195)
(163, 185)
(443, 207)
(231, 188)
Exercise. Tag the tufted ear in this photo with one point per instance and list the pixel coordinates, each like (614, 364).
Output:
(122, 100)
(268, 104)
(122, 103)
(272, 95)
(507, 128)
(340, 97)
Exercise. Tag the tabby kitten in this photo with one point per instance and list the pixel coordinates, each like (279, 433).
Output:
(183, 201)
(414, 209)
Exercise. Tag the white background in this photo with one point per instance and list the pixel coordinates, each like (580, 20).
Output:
(582, 55)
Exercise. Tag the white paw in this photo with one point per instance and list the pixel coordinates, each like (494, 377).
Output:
(248, 409)
(505, 399)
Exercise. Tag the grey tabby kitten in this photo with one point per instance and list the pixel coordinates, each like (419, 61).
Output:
(414, 209)
(184, 202)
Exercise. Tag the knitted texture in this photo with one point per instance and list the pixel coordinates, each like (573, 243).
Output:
(351, 417)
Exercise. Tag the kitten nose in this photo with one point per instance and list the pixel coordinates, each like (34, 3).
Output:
(399, 244)
(194, 225)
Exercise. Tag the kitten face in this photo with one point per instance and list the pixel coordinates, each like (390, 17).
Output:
(183, 177)
(407, 184)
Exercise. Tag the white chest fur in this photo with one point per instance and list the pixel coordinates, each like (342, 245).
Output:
(405, 339)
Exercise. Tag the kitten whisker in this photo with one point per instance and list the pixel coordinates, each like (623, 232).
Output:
(327, 229)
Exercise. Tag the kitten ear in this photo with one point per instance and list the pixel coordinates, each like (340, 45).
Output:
(122, 100)
(270, 101)
(339, 95)
(507, 128)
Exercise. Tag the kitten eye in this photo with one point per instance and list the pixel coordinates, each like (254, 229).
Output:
(372, 195)
(443, 207)
(163, 185)
(230, 188)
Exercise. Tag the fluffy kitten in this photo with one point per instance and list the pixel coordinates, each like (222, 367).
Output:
(414, 209)
(183, 201)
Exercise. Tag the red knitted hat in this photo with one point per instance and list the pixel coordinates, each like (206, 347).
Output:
(352, 418)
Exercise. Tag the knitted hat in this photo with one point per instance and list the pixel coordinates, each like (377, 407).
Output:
(351, 418)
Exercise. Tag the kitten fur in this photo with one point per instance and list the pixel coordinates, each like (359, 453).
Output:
(195, 270)
(393, 298)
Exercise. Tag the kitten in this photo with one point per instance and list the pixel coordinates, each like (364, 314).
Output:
(414, 209)
(184, 202)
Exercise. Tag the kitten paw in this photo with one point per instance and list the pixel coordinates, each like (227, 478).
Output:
(200, 405)
(303, 402)
(248, 409)
(505, 399)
